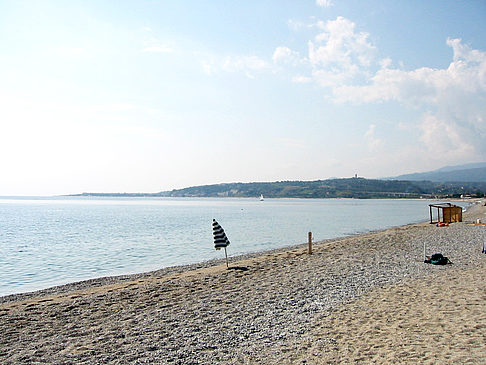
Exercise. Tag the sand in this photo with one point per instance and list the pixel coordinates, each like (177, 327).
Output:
(438, 320)
(366, 298)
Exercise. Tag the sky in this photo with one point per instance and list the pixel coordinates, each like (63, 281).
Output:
(148, 96)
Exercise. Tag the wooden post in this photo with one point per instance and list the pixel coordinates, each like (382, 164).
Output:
(226, 254)
(310, 243)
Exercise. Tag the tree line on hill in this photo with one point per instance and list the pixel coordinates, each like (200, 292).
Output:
(358, 188)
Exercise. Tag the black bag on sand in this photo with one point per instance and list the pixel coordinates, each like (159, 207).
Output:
(438, 259)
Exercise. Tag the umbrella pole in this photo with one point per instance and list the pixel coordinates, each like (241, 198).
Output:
(226, 254)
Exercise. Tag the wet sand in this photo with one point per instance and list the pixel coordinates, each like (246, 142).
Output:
(363, 298)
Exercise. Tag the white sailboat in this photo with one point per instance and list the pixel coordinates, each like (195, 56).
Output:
(261, 197)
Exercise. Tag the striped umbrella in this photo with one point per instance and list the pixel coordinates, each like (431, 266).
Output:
(220, 239)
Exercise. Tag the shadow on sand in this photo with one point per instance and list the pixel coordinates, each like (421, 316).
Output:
(241, 268)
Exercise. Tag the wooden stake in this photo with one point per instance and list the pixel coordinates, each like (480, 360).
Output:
(425, 257)
(226, 254)
(310, 243)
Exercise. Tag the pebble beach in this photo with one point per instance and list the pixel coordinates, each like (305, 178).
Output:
(364, 298)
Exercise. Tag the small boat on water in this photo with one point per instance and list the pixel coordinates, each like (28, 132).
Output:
(261, 197)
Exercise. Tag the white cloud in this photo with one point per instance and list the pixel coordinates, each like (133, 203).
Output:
(372, 141)
(443, 138)
(239, 63)
(339, 53)
(246, 64)
(285, 55)
(423, 86)
(324, 3)
(453, 100)
(386, 62)
(341, 59)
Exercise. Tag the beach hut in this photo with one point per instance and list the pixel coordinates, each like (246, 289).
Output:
(446, 213)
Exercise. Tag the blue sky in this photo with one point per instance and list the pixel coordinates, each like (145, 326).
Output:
(131, 96)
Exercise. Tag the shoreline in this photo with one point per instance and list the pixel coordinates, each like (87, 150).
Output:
(31, 284)
(178, 269)
(110, 279)
(285, 306)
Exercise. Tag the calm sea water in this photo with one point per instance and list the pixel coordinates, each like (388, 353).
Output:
(51, 241)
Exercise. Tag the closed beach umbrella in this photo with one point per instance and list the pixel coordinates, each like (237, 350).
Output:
(220, 239)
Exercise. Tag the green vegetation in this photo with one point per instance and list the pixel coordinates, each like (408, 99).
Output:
(358, 188)
(335, 188)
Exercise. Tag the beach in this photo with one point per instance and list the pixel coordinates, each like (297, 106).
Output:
(367, 298)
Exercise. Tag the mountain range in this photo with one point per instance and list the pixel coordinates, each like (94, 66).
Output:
(474, 172)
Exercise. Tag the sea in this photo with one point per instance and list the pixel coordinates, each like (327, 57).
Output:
(57, 240)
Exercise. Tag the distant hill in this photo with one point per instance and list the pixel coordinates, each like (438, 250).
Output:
(446, 182)
(462, 173)
(462, 167)
(333, 188)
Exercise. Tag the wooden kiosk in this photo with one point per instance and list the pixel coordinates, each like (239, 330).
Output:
(450, 213)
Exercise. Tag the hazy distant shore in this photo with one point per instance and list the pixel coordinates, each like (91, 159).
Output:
(356, 187)
(277, 307)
